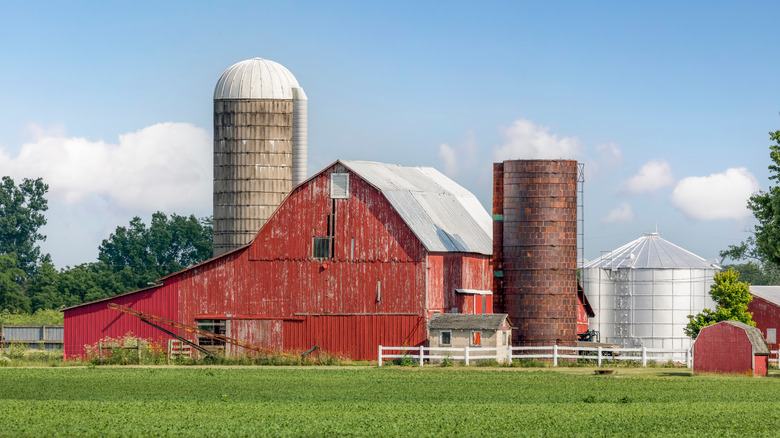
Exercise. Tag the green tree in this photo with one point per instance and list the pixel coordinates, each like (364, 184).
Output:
(12, 297)
(766, 209)
(21, 216)
(138, 255)
(42, 287)
(762, 248)
(732, 297)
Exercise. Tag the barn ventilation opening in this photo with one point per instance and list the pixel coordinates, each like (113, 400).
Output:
(216, 326)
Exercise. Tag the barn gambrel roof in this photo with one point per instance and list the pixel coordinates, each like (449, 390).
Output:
(443, 215)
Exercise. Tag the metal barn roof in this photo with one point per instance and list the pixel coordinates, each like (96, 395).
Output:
(442, 214)
(651, 252)
(258, 78)
(769, 293)
(461, 321)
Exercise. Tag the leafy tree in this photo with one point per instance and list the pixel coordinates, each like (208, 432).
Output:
(42, 287)
(765, 242)
(12, 297)
(762, 249)
(21, 216)
(40, 317)
(732, 297)
(139, 255)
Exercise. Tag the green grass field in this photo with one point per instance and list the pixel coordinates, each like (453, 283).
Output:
(363, 401)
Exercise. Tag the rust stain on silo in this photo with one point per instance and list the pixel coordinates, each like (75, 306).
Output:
(539, 250)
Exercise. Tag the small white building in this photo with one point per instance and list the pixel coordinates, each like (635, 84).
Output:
(459, 330)
(643, 292)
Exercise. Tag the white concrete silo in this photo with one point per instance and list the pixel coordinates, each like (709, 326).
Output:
(260, 147)
(643, 292)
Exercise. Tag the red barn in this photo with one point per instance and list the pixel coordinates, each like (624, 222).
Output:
(731, 347)
(584, 311)
(766, 312)
(359, 255)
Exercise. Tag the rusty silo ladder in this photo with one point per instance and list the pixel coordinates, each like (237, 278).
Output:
(153, 321)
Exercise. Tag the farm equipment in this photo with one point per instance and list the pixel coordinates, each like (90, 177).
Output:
(154, 321)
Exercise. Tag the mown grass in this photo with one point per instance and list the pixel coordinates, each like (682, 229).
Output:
(335, 401)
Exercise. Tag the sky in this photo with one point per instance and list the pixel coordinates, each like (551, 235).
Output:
(667, 104)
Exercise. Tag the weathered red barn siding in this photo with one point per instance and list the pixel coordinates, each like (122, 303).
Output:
(722, 348)
(766, 315)
(450, 271)
(356, 336)
(266, 333)
(380, 233)
(88, 324)
(582, 316)
(277, 277)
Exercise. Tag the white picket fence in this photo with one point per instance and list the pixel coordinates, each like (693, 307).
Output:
(775, 359)
(555, 352)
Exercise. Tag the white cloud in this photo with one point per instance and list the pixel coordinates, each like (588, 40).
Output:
(623, 213)
(652, 177)
(607, 156)
(718, 196)
(464, 152)
(526, 140)
(447, 155)
(165, 166)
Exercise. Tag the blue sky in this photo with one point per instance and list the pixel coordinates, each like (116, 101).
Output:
(668, 104)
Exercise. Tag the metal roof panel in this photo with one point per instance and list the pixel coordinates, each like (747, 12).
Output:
(651, 252)
(442, 214)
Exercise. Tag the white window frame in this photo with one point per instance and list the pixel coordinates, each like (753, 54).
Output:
(441, 337)
(471, 338)
(771, 335)
(339, 185)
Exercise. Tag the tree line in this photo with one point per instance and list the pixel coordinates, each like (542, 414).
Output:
(132, 257)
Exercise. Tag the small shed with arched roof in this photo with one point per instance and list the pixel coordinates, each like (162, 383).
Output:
(731, 347)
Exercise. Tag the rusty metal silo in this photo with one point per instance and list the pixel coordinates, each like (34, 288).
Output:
(260, 147)
(539, 250)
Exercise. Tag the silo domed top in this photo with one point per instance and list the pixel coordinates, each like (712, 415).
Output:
(257, 78)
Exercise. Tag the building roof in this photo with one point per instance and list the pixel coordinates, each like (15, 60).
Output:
(258, 78)
(651, 252)
(769, 293)
(754, 335)
(462, 321)
(442, 214)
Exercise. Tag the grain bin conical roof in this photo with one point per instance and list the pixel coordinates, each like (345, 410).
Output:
(651, 252)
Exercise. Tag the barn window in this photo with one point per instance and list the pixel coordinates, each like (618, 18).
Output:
(378, 291)
(324, 247)
(771, 335)
(445, 337)
(321, 248)
(339, 185)
(216, 326)
(476, 338)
